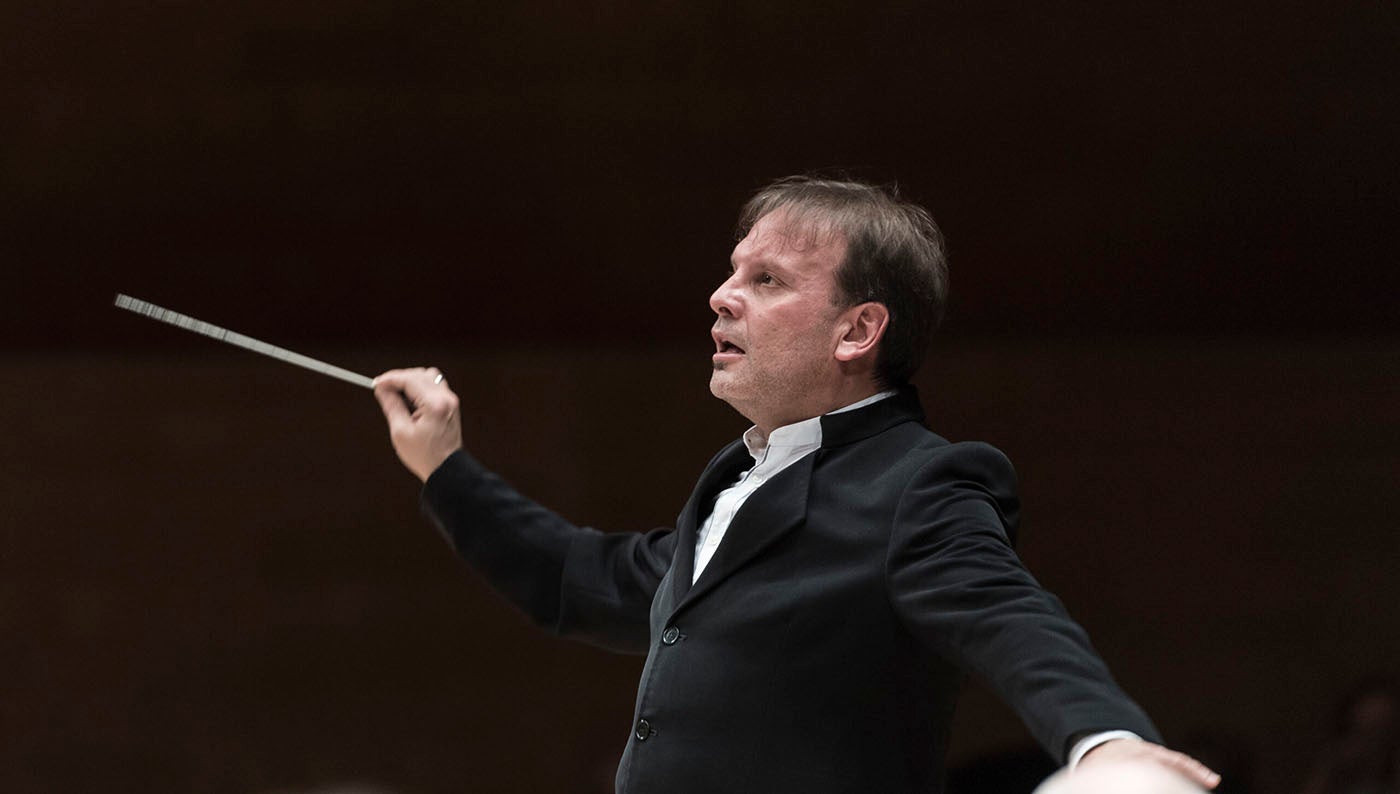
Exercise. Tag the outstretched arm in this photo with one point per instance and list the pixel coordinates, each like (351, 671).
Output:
(959, 585)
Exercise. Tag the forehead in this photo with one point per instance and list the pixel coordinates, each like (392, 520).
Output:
(783, 238)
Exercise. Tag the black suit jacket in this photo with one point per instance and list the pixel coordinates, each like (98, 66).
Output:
(821, 649)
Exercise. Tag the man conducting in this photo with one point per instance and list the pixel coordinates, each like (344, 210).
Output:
(834, 572)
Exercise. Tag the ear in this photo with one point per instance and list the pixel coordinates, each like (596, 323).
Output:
(864, 327)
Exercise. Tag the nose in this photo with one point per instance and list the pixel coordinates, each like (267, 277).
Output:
(725, 299)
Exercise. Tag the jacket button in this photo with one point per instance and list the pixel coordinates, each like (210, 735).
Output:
(670, 635)
(643, 730)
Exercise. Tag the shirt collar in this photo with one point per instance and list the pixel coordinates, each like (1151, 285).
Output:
(807, 433)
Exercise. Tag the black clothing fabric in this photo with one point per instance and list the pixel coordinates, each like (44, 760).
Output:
(822, 648)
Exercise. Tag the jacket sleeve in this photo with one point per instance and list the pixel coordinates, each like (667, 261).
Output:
(957, 584)
(572, 581)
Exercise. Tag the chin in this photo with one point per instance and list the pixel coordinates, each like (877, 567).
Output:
(722, 384)
(717, 383)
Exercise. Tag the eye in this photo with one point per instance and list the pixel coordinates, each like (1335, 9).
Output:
(767, 279)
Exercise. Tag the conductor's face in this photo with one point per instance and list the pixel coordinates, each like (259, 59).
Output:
(776, 328)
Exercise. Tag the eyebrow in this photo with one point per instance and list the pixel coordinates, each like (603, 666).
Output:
(765, 263)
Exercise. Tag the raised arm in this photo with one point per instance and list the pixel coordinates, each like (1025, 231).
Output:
(572, 581)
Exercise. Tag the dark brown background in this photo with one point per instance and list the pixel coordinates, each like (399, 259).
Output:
(1173, 244)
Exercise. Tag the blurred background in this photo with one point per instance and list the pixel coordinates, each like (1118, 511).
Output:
(1173, 241)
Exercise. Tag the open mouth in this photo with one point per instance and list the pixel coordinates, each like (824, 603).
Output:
(730, 347)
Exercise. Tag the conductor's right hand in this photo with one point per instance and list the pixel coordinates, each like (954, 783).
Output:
(424, 425)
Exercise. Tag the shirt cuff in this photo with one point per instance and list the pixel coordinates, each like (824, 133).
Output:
(1083, 746)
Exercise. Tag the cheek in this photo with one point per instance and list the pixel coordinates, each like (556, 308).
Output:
(786, 328)
(775, 339)
(802, 331)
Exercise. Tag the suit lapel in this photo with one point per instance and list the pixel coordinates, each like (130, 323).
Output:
(721, 473)
(769, 513)
(773, 510)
